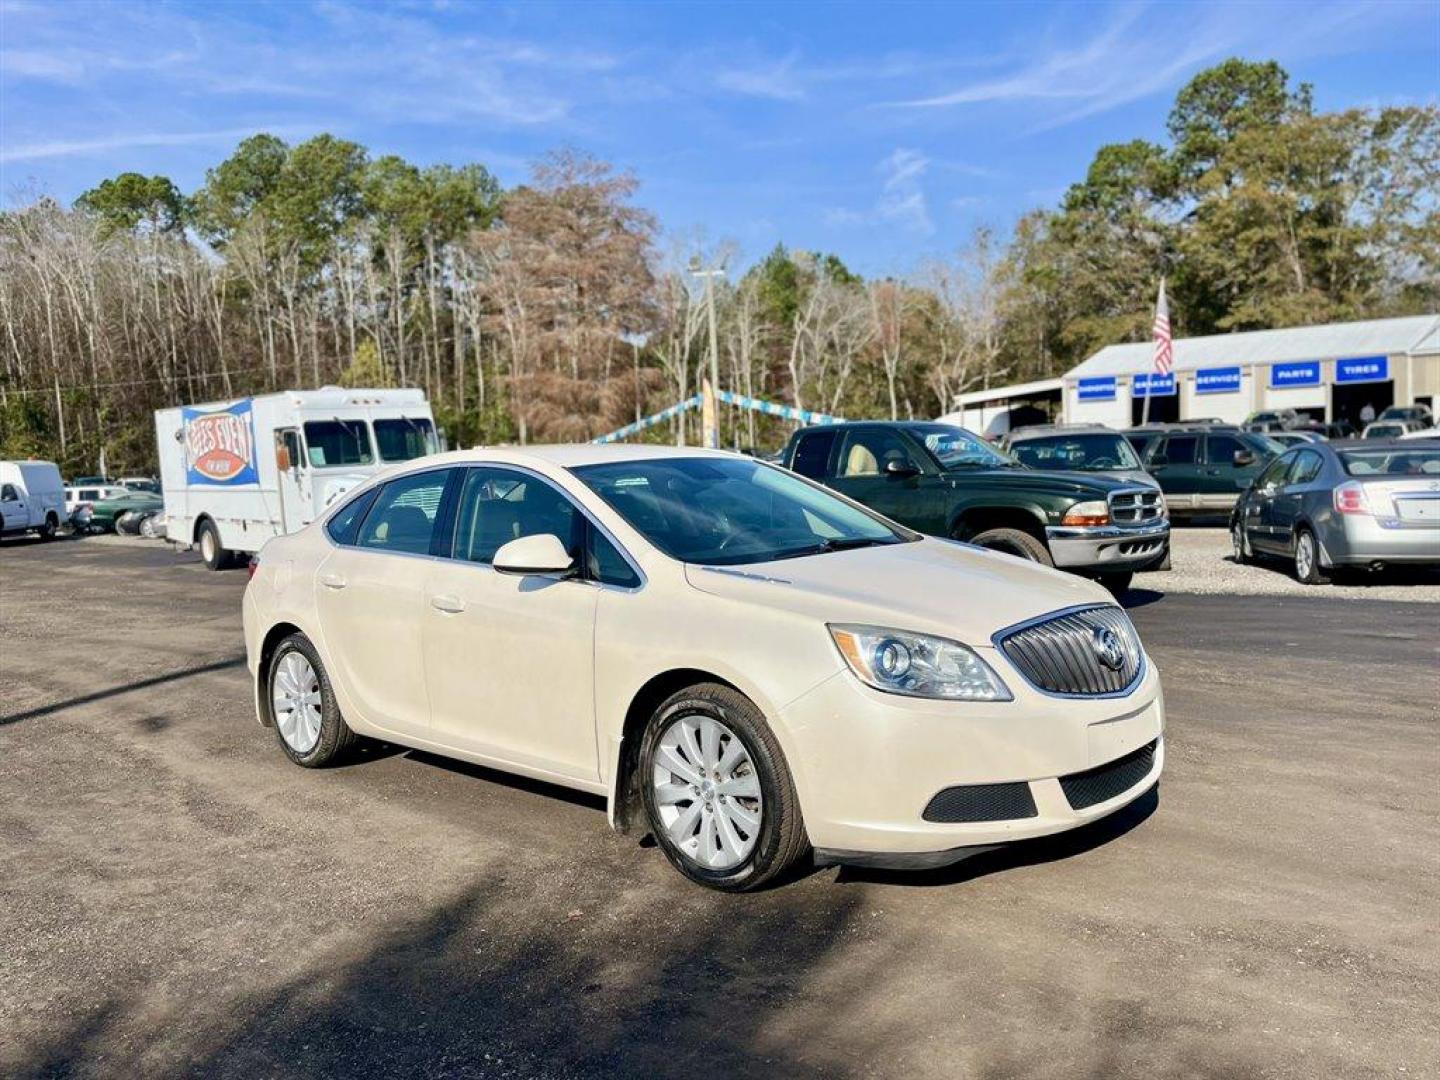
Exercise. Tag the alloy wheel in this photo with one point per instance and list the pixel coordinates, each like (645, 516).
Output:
(707, 792)
(1304, 556)
(295, 699)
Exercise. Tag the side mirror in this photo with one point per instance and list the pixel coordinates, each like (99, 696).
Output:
(282, 458)
(1243, 458)
(542, 553)
(1159, 459)
(900, 469)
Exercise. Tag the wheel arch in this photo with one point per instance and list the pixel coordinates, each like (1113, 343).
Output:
(625, 805)
(268, 644)
(200, 521)
(970, 521)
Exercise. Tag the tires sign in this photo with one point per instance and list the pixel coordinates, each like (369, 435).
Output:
(220, 445)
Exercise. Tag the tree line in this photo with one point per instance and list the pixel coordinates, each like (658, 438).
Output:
(555, 310)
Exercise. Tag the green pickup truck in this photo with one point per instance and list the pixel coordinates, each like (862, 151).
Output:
(944, 481)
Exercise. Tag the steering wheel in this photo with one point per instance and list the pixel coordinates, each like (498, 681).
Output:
(1104, 463)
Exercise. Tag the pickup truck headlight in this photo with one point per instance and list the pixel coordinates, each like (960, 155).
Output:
(917, 665)
(1096, 512)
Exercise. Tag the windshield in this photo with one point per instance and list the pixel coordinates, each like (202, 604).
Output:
(1267, 446)
(1420, 461)
(338, 442)
(956, 448)
(721, 511)
(405, 439)
(1082, 453)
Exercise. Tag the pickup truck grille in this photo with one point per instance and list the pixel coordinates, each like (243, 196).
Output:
(1066, 653)
(1136, 506)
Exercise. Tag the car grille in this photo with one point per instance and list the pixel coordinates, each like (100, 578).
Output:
(1136, 506)
(981, 802)
(1062, 654)
(1093, 786)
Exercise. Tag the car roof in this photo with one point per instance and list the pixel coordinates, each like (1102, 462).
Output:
(570, 455)
(1057, 431)
(1380, 444)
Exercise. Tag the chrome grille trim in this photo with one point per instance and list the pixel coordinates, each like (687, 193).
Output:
(1135, 506)
(1054, 654)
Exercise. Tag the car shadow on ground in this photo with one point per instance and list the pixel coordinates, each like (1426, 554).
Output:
(1137, 598)
(514, 781)
(125, 688)
(1016, 854)
(1359, 577)
(496, 980)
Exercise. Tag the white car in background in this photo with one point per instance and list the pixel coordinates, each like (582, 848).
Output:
(743, 662)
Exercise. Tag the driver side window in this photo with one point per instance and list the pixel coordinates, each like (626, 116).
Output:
(500, 505)
(867, 453)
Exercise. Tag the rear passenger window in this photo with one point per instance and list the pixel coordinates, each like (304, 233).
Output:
(1180, 449)
(403, 516)
(343, 525)
(812, 454)
(1306, 467)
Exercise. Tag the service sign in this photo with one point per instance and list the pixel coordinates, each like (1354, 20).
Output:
(1296, 373)
(1153, 385)
(220, 445)
(1362, 369)
(1101, 388)
(1217, 380)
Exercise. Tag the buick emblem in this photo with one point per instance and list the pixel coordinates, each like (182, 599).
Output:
(1109, 649)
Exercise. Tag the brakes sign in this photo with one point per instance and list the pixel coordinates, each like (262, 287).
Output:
(220, 445)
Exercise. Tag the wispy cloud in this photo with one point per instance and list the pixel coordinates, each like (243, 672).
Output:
(777, 81)
(902, 198)
(76, 147)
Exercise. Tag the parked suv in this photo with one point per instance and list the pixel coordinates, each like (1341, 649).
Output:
(944, 481)
(1204, 471)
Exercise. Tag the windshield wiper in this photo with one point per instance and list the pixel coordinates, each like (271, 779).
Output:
(836, 543)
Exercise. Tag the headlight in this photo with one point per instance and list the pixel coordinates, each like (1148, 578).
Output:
(917, 665)
(1096, 512)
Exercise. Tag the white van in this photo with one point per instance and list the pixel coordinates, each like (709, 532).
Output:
(236, 473)
(32, 498)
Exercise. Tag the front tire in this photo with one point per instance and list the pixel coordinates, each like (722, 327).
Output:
(718, 795)
(302, 705)
(1014, 542)
(1307, 559)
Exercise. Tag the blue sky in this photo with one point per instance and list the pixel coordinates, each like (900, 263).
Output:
(884, 132)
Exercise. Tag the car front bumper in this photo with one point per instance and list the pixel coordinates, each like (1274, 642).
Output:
(873, 762)
(1104, 548)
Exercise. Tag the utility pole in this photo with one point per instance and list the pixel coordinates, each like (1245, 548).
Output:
(712, 433)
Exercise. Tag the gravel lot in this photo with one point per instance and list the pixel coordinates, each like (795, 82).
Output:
(1202, 562)
(178, 900)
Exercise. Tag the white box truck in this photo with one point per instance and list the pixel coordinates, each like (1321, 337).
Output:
(236, 473)
(32, 498)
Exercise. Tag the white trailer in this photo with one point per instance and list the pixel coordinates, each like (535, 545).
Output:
(236, 473)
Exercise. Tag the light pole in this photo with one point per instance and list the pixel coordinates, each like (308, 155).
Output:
(713, 435)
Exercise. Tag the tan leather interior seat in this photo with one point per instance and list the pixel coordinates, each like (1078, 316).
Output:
(861, 462)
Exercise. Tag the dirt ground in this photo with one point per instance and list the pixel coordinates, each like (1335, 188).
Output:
(177, 899)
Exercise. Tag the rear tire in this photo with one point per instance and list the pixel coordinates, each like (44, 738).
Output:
(211, 550)
(295, 684)
(1014, 542)
(671, 788)
(52, 523)
(1307, 559)
(127, 524)
(147, 527)
(1241, 544)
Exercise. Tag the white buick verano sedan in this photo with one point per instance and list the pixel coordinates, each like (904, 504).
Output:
(745, 663)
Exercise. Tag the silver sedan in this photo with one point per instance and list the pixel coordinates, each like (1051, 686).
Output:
(1344, 504)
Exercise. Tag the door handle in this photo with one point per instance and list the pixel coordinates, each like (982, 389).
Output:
(332, 581)
(451, 605)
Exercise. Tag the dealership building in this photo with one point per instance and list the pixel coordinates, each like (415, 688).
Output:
(1326, 372)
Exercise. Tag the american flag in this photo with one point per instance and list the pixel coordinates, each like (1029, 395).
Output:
(1164, 357)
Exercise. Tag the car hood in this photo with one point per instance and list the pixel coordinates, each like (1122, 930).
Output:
(1047, 481)
(930, 585)
(1130, 477)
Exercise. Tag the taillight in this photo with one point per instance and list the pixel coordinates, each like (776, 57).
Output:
(1350, 499)
(252, 566)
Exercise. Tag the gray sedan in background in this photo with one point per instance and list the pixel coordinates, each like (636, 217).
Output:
(1344, 504)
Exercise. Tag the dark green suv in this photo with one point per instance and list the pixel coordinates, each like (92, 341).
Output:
(945, 481)
(1203, 471)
